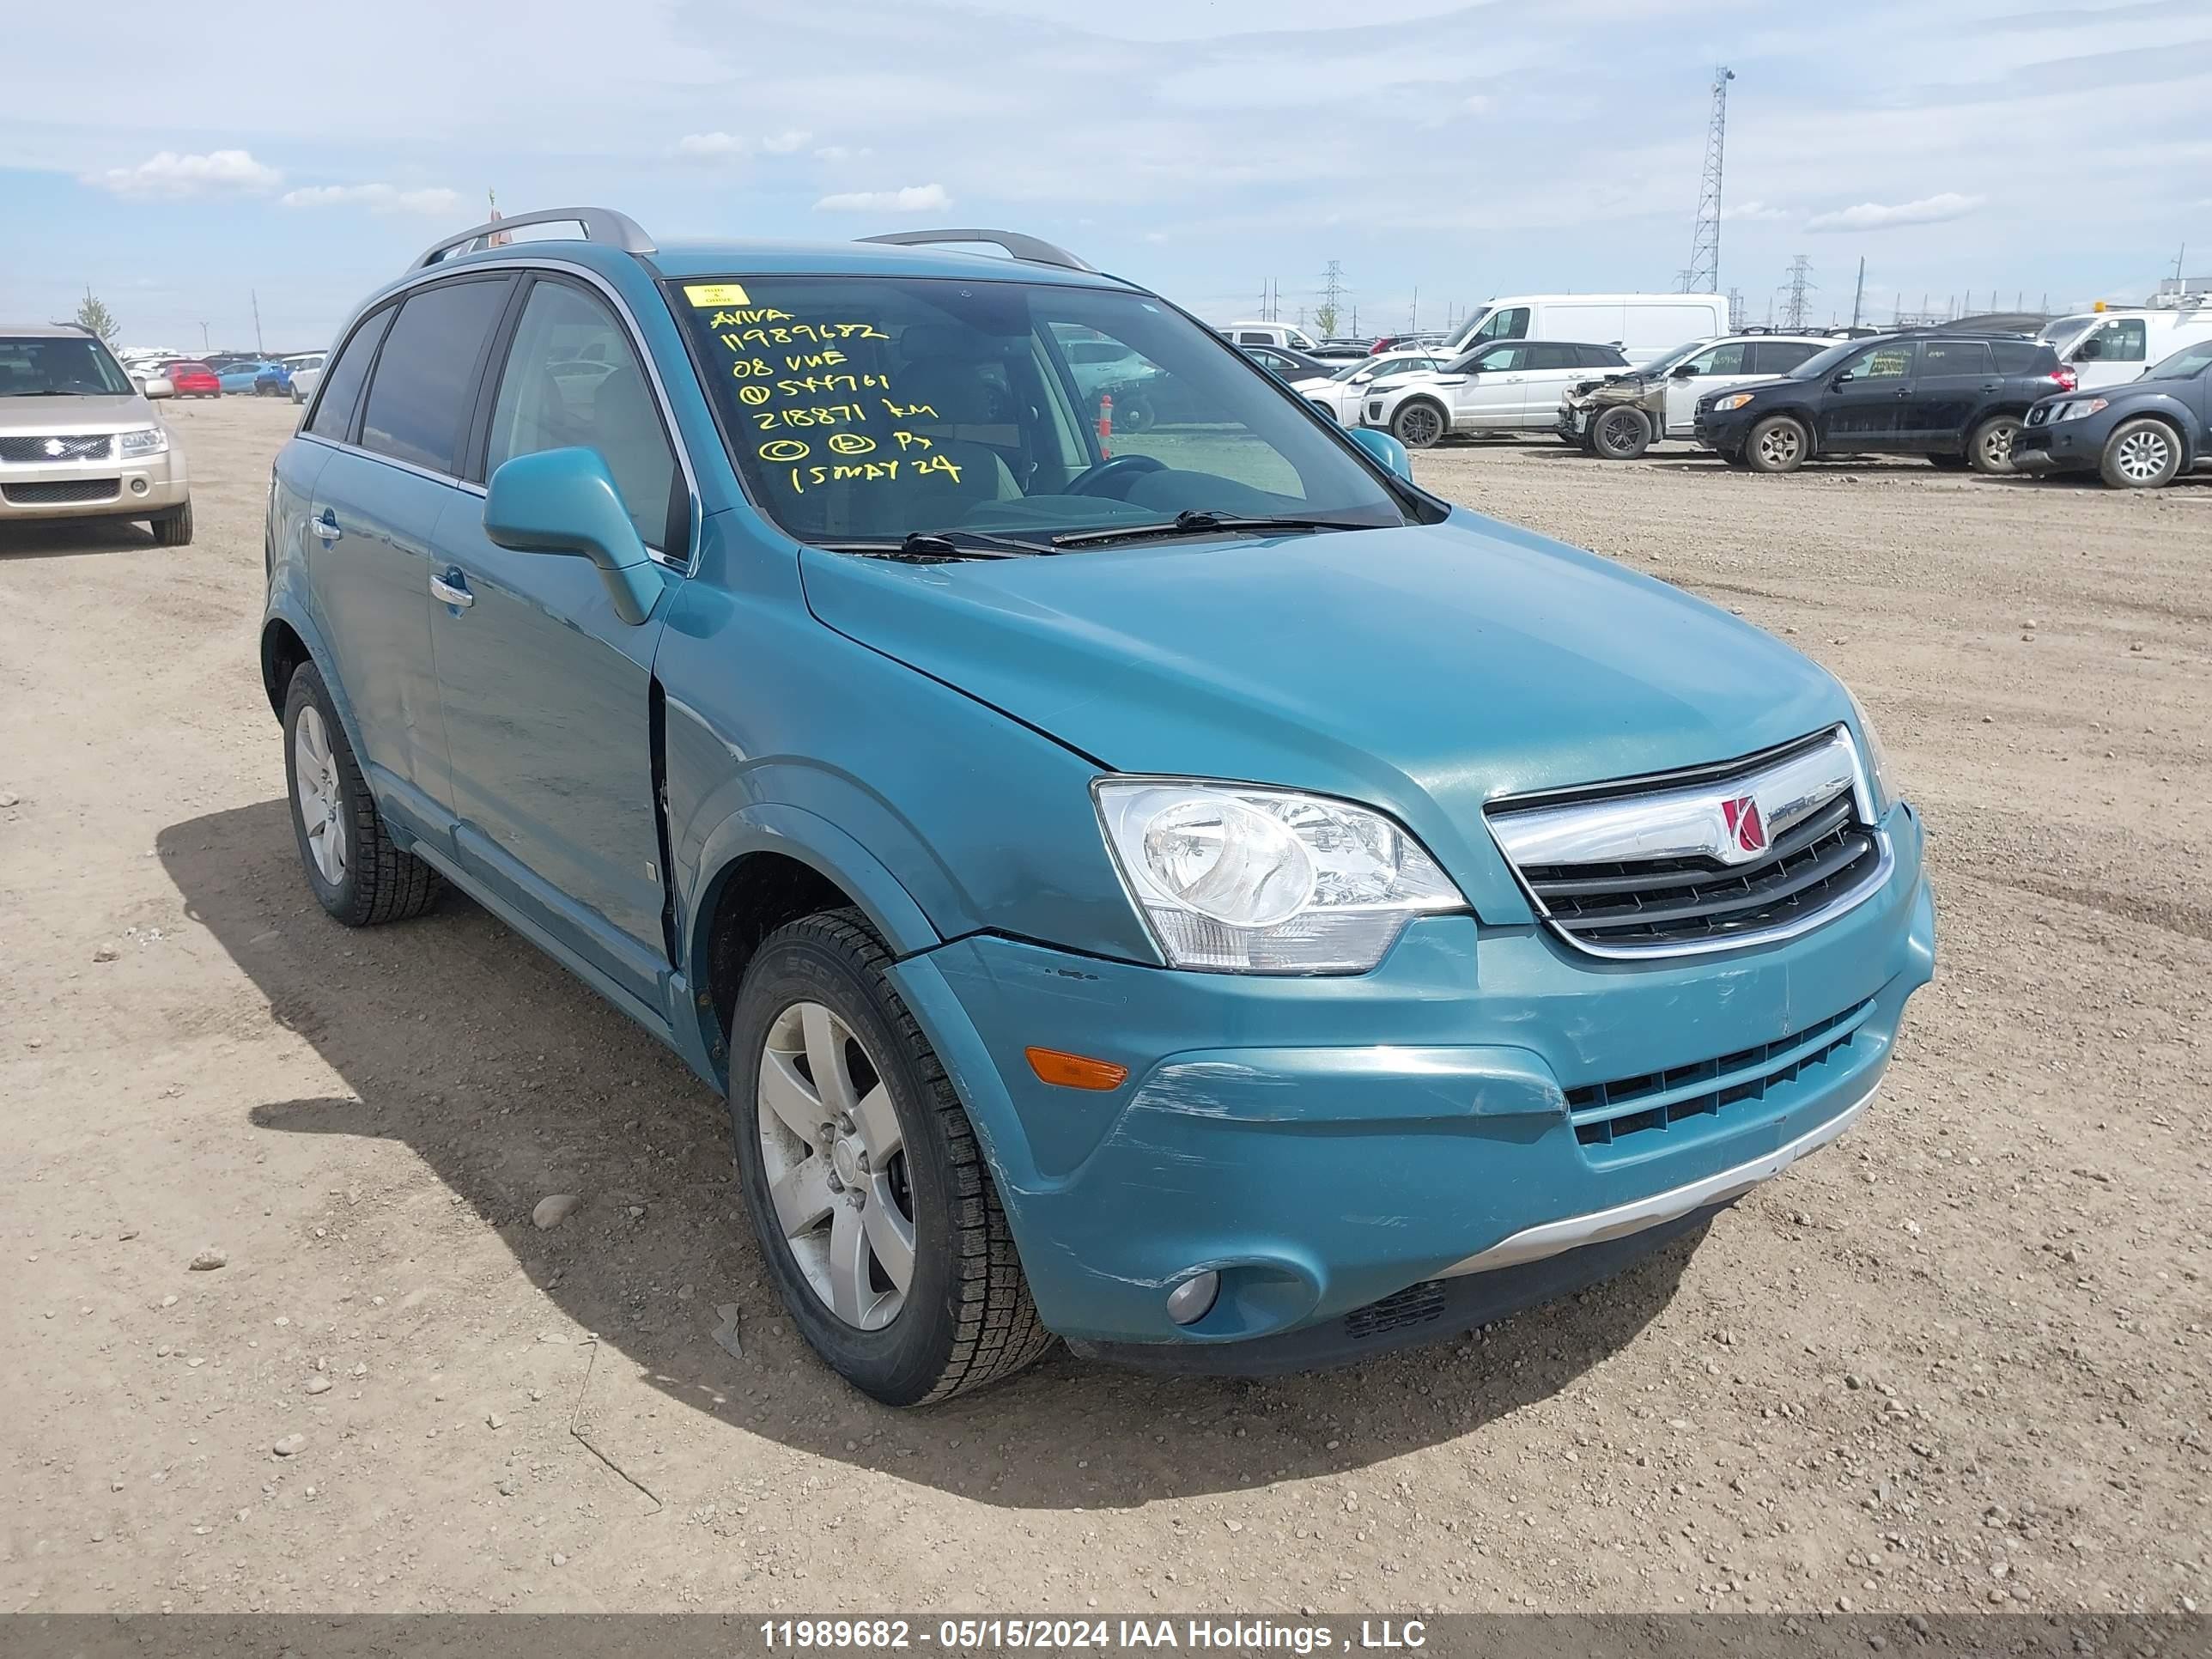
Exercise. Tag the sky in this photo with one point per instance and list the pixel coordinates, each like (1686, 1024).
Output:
(1440, 152)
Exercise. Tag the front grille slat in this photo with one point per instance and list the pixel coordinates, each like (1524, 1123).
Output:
(1579, 854)
(40, 451)
(1604, 1114)
(69, 492)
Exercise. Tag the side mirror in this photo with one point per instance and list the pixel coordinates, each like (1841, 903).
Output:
(564, 501)
(1385, 449)
(158, 387)
(1843, 379)
(1686, 372)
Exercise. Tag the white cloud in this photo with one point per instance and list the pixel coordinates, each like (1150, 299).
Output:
(1876, 215)
(377, 198)
(1750, 212)
(1477, 103)
(784, 142)
(915, 198)
(843, 152)
(171, 174)
(710, 145)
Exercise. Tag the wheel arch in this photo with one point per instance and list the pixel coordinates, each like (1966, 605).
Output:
(2167, 417)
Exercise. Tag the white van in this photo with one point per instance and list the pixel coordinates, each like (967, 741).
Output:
(1266, 334)
(1643, 325)
(2107, 347)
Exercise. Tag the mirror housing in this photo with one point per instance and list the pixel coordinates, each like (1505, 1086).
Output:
(1385, 450)
(160, 387)
(1685, 371)
(564, 501)
(1843, 379)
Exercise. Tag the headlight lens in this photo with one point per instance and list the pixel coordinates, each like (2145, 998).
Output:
(1240, 880)
(1879, 777)
(149, 440)
(2075, 412)
(1733, 400)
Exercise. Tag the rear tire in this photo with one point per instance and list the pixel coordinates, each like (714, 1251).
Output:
(2141, 454)
(1989, 450)
(1620, 434)
(174, 528)
(1419, 424)
(1778, 444)
(818, 1017)
(358, 872)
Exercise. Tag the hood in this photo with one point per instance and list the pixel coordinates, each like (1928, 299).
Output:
(1749, 386)
(1425, 669)
(34, 417)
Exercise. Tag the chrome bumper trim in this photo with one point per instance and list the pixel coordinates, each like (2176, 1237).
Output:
(1554, 1237)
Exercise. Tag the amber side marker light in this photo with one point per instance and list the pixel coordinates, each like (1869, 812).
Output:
(1075, 1071)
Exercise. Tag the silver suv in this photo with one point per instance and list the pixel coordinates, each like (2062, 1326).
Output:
(78, 441)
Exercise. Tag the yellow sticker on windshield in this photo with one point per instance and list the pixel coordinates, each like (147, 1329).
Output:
(703, 295)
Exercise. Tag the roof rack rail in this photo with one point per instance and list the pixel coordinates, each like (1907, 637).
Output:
(1022, 247)
(602, 225)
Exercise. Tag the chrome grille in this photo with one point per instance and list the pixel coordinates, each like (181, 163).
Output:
(1604, 1113)
(44, 451)
(1757, 850)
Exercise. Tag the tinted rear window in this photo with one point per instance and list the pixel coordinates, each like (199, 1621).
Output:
(1779, 356)
(341, 389)
(1955, 358)
(425, 386)
(2023, 357)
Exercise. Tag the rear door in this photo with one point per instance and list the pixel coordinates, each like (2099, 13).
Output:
(1549, 368)
(392, 411)
(547, 692)
(1955, 379)
(1865, 410)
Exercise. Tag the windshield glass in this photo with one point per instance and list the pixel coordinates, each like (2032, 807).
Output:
(2061, 330)
(1659, 367)
(2185, 364)
(59, 365)
(1825, 362)
(871, 408)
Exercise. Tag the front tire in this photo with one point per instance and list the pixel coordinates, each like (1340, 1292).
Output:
(1989, 451)
(1778, 444)
(173, 528)
(2141, 454)
(1419, 424)
(1620, 434)
(358, 872)
(876, 1213)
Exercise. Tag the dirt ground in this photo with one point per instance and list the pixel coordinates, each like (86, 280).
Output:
(1959, 1360)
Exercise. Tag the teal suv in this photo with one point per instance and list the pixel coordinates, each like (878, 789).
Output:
(1189, 892)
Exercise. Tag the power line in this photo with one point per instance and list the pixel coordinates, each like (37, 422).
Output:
(1704, 276)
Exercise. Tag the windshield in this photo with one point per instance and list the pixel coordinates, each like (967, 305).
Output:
(1825, 362)
(1396, 362)
(866, 409)
(59, 365)
(2185, 365)
(1659, 367)
(2059, 331)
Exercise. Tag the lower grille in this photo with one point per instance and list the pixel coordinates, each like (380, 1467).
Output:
(1604, 1113)
(1417, 1304)
(44, 452)
(70, 492)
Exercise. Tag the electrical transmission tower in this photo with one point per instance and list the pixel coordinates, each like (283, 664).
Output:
(1801, 284)
(1704, 276)
(1332, 298)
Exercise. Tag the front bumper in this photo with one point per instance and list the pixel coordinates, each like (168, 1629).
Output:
(1731, 431)
(95, 489)
(1328, 1144)
(2062, 445)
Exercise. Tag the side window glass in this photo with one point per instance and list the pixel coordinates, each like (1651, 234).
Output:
(424, 389)
(1729, 359)
(573, 381)
(1778, 357)
(2124, 341)
(1955, 358)
(1508, 325)
(1550, 356)
(341, 390)
(1887, 362)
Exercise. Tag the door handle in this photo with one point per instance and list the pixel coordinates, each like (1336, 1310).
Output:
(326, 526)
(1993, 385)
(446, 589)
(1905, 393)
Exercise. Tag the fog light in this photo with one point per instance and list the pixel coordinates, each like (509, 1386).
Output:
(137, 486)
(1193, 1299)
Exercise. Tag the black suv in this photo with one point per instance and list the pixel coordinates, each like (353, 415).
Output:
(1958, 398)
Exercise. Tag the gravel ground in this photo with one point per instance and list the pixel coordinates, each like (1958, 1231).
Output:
(1958, 1361)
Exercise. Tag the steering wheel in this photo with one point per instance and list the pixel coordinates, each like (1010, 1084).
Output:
(1094, 480)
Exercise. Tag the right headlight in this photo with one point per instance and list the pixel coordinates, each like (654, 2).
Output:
(1733, 400)
(1880, 779)
(2081, 410)
(1244, 880)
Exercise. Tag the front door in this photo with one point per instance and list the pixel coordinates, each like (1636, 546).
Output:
(1714, 369)
(546, 691)
(1494, 392)
(1863, 405)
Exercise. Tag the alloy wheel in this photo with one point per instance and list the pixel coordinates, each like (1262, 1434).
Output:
(1997, 444)
(321, 802)
(1419, 425)
(1778, 446)
(835, 1157)
(2142, 455)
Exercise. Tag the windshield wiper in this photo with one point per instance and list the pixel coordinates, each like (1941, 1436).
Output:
(1191, 522)
(937, 546)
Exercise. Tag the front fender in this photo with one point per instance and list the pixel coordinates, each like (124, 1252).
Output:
(288, 604)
